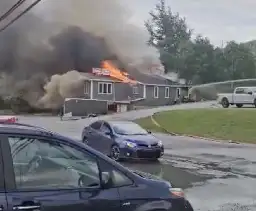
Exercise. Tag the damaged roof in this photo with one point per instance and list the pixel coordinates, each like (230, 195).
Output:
(92, 76)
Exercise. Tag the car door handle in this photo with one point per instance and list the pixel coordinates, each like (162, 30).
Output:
(29, 207)
(126, 203)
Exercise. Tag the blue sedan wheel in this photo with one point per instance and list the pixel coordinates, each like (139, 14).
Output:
(85, 140)
(115, 153)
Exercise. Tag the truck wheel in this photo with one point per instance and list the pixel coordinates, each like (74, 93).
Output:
(225, 103)
(239, 105)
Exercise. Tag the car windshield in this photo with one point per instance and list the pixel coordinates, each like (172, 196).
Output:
(128, 128)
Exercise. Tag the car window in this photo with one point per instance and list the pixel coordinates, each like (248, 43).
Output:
(240, 91)
(247, 91)
(96, 125)
(44, 164)
(128, 128)
(119, 179)
(105, 128)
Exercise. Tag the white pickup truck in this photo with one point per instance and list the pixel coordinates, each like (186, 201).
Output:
(241, 96)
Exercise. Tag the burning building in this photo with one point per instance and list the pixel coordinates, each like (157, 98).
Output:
(38, 52)
(109, 88)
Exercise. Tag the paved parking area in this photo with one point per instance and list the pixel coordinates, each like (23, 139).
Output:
(216, 176)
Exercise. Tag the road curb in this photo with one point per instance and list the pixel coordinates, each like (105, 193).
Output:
(186, 135)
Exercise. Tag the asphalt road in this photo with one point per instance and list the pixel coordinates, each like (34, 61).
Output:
(216, 176)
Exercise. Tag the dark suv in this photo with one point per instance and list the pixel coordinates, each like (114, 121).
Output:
(42, 170)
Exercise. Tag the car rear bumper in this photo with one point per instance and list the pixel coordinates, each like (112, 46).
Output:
(141, 153)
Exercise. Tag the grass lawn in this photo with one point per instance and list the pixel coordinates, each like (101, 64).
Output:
(227, 124)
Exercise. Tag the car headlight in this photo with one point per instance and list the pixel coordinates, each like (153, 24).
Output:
(160, 143)
(177, 193)
(130, 144)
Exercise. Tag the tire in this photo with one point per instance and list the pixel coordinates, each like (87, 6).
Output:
(239, 105)
(254, 102)
(225, 103)
(115, 152)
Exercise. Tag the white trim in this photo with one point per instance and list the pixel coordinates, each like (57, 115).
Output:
(113, 81)
(167, 92)
(108, 92)
(178, 92)
(91, 94)
(124, 101)
(86, 87)
(144, 91)
(135, 90)
(156, 88)
(174, 85)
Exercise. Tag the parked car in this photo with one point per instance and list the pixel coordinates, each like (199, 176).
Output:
(42, 170)
(122, 140)
(241, 96)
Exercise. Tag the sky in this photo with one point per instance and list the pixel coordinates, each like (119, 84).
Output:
(219, 20)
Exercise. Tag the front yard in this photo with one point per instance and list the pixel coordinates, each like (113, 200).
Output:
(225, 124)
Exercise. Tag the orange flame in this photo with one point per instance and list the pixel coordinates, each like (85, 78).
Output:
(116, 73)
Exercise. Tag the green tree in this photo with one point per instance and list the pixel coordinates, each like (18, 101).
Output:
(168, 33)
(240, 61)
(200, 63)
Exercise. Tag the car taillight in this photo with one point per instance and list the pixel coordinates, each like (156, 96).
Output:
(8, 120)
(177, 193)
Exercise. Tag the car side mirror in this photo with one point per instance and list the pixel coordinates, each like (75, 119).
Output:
(108, 133)
(250, 93)
(106, 180)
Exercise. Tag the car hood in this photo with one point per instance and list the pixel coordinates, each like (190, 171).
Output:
(141, 139)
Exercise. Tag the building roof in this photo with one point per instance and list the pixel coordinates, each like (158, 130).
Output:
(149, 78)
(92, 76)
(145, 78)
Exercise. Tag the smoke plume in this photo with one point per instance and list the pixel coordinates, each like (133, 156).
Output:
(39, 50)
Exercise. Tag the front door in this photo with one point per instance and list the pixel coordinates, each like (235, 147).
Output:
(239, 96)
(248, 97)
(106, 140)
(3, 201)
(47, 174)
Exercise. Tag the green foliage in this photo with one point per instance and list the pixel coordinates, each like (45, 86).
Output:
(224, 124)
(197, 61)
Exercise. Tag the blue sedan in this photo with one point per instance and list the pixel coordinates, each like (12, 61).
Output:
(122, 140)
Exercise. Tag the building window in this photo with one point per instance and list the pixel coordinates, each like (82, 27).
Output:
(86, 87)
(156, 91)
(135, 90)
(167, 92)
(105, 88)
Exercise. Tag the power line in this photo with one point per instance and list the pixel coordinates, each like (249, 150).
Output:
(14, 7)
(20, 15)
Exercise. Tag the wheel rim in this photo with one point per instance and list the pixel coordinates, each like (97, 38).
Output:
(115, 152)
(224, 102)
(85, 140)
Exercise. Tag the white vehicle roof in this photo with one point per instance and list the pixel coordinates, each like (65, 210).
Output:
(253, 88)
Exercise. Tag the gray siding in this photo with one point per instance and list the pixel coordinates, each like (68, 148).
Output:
(87, 89)
(97, 95)
(161, 100)
(140, 92)
(124, 91)
(85, 107)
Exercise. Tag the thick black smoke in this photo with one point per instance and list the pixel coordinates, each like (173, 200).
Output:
(37, 53)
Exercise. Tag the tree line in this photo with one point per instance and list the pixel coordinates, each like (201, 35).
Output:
(196, 60)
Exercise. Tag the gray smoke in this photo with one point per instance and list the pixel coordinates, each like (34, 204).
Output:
(39, 50)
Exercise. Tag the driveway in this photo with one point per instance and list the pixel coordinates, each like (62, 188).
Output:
(216, 176)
